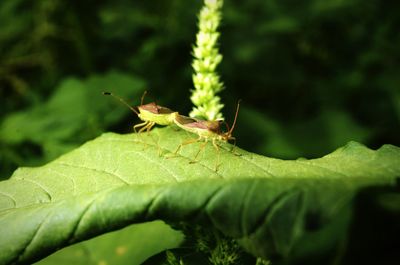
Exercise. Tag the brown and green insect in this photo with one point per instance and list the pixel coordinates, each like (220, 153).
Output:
(206, 131)
(150, 113)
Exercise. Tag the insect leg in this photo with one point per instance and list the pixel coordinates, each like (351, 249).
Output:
(150, 126)
(203, 145)
(234, 147)
(217, 164)
(190, 141)
(147, 127)
(140, 125)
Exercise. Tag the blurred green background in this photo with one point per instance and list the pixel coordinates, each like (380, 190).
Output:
(312, 74)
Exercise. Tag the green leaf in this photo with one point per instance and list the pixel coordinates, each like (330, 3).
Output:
(75, 113)
(117, 180)
(119, 247)
(76, 106)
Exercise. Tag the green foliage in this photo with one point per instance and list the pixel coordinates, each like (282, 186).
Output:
(119, 247)
(172, 260)
(333, 128)
(209, 246)
(290, 62)
(116, 180)
(311, 77)
(221, 250)
(76, 112)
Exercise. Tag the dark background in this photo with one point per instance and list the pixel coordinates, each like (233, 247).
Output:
(312, 75)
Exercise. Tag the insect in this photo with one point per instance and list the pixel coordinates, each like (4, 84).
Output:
(207, 131)
(150, 113)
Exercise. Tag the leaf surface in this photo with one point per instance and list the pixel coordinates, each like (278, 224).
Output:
(117, 180)
(119, 247)
(76, 112)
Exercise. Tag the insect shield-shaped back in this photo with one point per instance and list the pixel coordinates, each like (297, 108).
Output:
(204, 129)
(208, 130)
(150, 113)
(157, 114)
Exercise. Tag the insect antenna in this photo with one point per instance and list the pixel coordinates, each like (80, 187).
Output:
(144, 95)
(234, 121)
(122, 101)
(142, 98)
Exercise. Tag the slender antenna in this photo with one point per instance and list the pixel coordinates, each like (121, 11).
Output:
(142, 99)
(236, 114)
(122, 101)
(145, 94)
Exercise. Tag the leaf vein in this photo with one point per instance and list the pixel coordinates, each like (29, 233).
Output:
(206, 202)
(212, 197)
(96, 170)
(72, 236)
(243, 210)
(10, 197)
(39, 185)
(150, 205)
(253, 163)
(170, 151)
(174, 176)
(20, 255)
(310, 164)
(66, 176)
(265, 214)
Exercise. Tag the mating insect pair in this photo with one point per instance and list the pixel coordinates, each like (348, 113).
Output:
(152, 114)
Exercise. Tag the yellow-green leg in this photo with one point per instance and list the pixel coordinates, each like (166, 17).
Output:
(140, 125)
(147, 127)
(186, 143)
(217, 164)
(198, 152)
(234, 147)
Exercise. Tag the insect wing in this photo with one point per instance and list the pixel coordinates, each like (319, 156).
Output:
(164, 110)
(150, 107)
(155, 109)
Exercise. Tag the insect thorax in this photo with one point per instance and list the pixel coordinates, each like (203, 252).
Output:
(161, 119)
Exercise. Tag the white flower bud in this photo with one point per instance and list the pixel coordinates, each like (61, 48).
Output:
(206, 59)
